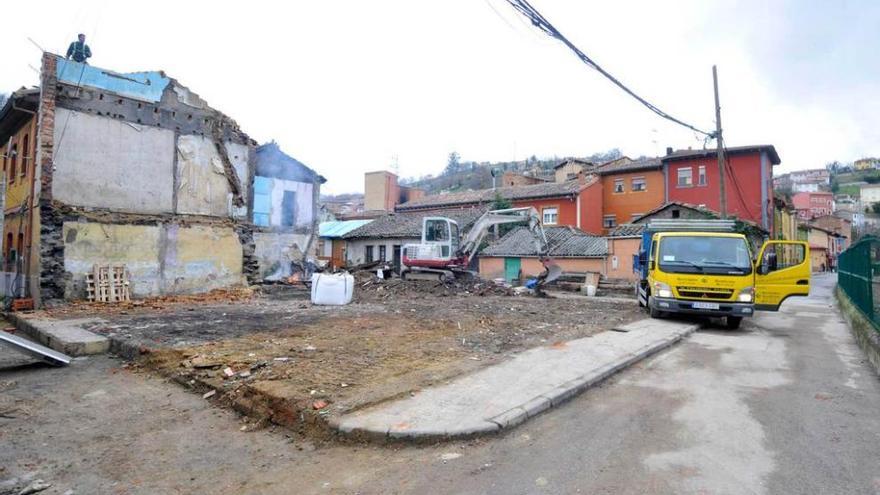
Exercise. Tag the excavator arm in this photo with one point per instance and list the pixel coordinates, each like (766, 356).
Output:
(471, 243)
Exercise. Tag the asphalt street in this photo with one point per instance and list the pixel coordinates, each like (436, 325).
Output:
(786, 404)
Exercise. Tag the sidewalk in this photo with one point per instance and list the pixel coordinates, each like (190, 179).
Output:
(507, 394)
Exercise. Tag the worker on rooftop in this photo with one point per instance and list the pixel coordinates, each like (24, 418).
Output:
(79, 50)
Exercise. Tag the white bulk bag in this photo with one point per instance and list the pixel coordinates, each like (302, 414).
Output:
(332, 289)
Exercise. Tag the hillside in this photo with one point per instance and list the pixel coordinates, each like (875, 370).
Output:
(465, 175)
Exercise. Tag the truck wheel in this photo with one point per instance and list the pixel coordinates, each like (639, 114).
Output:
(653, 312)
(733, 322)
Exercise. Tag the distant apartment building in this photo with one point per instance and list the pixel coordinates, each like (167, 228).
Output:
(869, 194)
(867, 164)
(813, 185)
(810, 205)
(818, 175)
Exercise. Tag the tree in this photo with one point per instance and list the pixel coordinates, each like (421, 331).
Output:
(607, 156)
(3, 98)
(453, 165)
(501, 203)
(834, 167)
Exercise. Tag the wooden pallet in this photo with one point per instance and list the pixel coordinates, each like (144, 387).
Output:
(108, 283)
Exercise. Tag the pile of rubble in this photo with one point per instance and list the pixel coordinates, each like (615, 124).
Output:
(371, 287)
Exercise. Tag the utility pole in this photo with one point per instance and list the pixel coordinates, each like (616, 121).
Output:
(720, 141)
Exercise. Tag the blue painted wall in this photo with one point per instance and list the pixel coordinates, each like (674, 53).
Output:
(144, 86)
(262, 200)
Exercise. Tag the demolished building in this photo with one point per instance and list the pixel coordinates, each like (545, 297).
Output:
(132, 169)
(285, 213)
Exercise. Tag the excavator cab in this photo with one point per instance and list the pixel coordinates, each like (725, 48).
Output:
(441, 236)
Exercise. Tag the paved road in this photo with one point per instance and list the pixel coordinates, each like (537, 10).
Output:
(785, 405)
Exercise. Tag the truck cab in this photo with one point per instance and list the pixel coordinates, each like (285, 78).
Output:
(706, 268)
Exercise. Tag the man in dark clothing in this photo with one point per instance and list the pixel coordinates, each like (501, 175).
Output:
(79, 50)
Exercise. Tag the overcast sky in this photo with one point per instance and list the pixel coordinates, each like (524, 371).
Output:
(350, 86)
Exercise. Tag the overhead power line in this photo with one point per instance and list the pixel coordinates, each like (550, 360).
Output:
(526, 9)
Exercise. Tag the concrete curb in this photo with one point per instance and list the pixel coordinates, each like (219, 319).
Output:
(575, 387)
(60, 335)
(522, 412)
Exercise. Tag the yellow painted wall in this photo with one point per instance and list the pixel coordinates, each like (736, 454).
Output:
(163, 259)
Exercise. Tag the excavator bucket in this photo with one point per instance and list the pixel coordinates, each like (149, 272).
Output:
(552, 271)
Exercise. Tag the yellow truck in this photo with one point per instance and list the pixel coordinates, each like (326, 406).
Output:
(705, 267)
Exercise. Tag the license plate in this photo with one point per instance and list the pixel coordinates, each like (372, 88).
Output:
(706, 305)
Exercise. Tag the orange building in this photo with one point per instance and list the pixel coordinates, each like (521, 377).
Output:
(630, 189)
(18, 132)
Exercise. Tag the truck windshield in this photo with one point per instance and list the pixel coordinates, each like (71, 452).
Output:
(712, 255)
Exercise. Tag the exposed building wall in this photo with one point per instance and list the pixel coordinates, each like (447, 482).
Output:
(161, 259)
(493, 267)
(276, 250)
(106, 163)
(269, 198)
(142, 157)
(203, 187)
(624, 205)
(619, 263)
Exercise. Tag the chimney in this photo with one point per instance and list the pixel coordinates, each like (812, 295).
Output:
(668, 150)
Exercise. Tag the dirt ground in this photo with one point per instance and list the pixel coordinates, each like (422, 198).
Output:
(281, 360)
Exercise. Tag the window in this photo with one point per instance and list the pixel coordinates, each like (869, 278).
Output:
(609, 221)
(368, 254)
(7, 249)
(25, 149)
(676, 213)
(618, 186)
(288, 209)
(639, 184)
(382, 253)
(701, 178)
(571, 176)
(436, 230)
(685, 177)
(550, 216)
(13, 158)
(709, 255)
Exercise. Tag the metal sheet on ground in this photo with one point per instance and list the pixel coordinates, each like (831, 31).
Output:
(32, 348)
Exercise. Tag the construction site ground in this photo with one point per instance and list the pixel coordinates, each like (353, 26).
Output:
(271, 354)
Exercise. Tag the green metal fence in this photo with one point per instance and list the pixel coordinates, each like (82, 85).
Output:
(859, 276)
